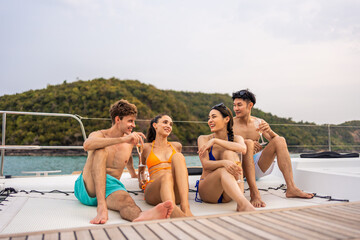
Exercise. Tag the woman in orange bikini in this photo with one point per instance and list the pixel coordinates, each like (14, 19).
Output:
(167, 168)
(222, 179)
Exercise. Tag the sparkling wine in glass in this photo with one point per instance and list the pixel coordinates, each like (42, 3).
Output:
(144, 177)
(239, 162)
(139, 149)
(257, 123)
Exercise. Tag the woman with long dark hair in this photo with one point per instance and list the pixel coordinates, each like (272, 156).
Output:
(167, 168)
(222, 178)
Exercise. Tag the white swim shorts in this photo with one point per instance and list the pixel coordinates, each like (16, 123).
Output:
(258, 172)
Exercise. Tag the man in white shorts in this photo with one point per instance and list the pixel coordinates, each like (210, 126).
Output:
(259, 160)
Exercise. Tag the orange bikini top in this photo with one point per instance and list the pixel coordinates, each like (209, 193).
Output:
(153, 160)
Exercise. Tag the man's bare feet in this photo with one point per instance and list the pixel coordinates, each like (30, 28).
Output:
(295, 192)
(102, 215)
(255, 200)
(160, 211)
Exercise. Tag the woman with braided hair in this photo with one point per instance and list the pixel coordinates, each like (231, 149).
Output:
(222, 177)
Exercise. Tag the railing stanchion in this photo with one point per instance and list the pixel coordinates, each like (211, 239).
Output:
(329, 137)
(3, 143)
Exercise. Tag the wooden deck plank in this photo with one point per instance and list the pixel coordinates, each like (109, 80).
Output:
(145, 232)
(349, 210)
(130, 233)
(314, 226)
(304, 225)
(160, 231)
(191, 230)
(67, 235)
(83, 235)
(35, 237)
(206, 230)
(339, 221)
(227, 234)
(286, 224)
(257, 231)
(342, 214)
(248, 219)
(331, 226)
(19, 238)
(51, 236)
(357, 206)
(175, 230)
(275, 225)
(114, 233)
(99, 233)
(236, 229)
(333, 217)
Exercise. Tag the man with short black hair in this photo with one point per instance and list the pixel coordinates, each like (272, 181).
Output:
(259, 160)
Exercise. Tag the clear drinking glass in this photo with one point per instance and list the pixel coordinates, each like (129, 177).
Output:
(139, 149)
(257, 123)
(240, 180)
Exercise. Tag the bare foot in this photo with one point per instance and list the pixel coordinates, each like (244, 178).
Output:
(160, 211)
(245, 206)
(186, 210)
(297, 193)
(102, 215)
(257, 202)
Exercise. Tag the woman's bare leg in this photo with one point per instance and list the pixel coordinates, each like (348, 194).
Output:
(219, 181)
(162, 190)
(181, 179)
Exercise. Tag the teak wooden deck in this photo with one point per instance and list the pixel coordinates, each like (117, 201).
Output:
(329, 221)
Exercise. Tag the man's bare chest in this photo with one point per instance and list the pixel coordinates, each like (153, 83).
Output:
(118, 156)
(246, 132)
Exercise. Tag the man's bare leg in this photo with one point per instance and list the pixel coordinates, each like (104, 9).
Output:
(181, 179)
(249, 172)
(278, 147)
(94, 176)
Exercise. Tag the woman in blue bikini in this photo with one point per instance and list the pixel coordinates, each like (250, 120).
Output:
(222, 179)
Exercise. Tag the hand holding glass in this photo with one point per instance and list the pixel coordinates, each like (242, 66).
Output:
(257, 123)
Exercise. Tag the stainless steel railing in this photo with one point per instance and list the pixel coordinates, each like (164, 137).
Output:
(78, 118)
(3, 147)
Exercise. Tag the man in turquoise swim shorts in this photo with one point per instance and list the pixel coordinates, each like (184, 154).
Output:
(109, 151)
(259, 159)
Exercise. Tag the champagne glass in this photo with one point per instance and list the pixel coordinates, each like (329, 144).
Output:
(139, 149)
(257, 122)
(239, 162)
(144, 177)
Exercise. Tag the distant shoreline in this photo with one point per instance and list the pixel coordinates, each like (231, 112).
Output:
(69, 152)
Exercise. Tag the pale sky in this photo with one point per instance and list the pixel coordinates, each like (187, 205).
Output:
(300, 58)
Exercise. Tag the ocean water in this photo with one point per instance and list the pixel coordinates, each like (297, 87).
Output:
(14, 165)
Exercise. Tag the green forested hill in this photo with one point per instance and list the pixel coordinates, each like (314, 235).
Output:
(93, 98)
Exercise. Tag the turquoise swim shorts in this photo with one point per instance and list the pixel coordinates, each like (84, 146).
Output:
(112, 185)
